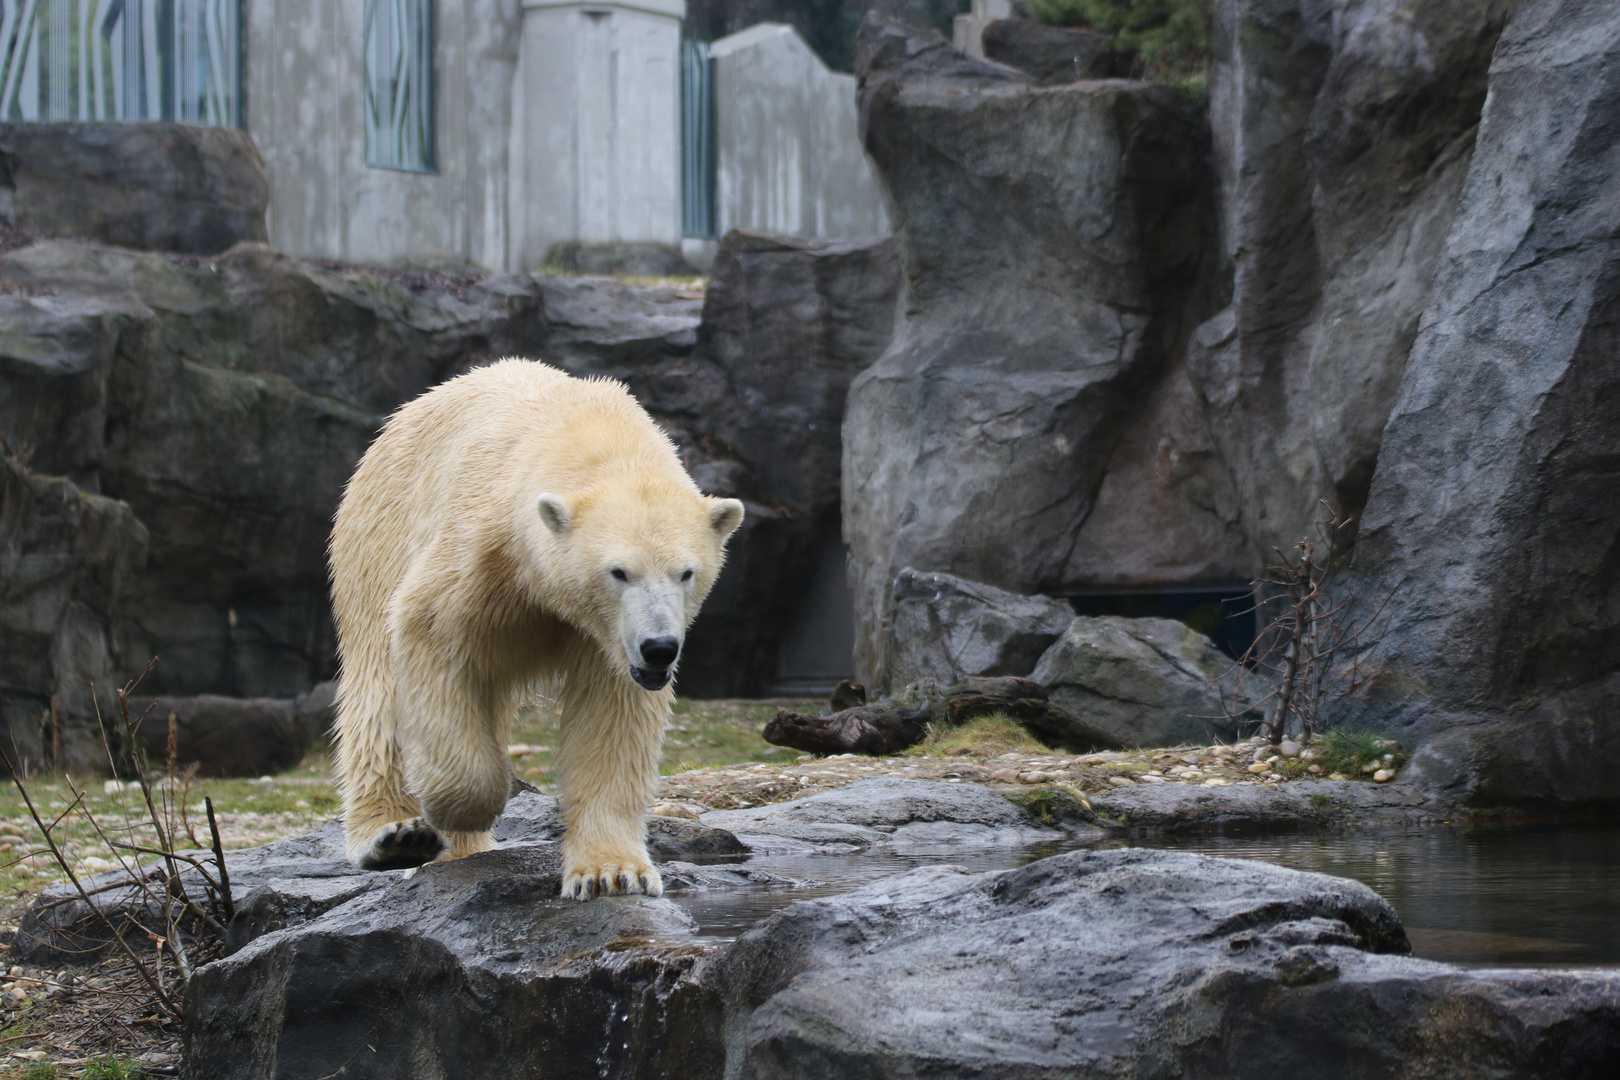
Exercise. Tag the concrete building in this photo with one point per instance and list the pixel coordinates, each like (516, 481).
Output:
(489, 133)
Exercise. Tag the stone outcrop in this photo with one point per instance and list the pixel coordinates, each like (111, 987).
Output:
(67, 558)
(227, 400)
(222, 736)
(1495, 504)
(154, 186)
(945, 629)
(1051, 241)
(1133, 682)
(1137, 964)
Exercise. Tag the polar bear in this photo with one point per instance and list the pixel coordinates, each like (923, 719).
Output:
(513, 529)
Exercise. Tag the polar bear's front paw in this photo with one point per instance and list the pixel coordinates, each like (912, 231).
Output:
(400, 845)
(587, 878)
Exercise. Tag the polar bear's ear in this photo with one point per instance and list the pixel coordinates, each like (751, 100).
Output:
(725, 515)
(555, 513)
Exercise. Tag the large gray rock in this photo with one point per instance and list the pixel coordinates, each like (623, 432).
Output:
(1136, 964)
(67, 557)
(1134, 682)
(945, 629)
(1052, 54)
(473, 969)
(222, 736)
(156, 186)
(1495, 505)
(1050, 239)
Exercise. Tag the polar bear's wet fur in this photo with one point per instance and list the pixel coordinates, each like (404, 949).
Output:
(512, 531)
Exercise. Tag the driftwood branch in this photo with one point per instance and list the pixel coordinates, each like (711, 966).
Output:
(889, 726)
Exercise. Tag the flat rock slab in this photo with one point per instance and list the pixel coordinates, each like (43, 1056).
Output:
(1140, 964)
(881, 812)
(1307, 804)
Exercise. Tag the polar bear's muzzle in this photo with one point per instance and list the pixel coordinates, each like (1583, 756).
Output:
(657, 667)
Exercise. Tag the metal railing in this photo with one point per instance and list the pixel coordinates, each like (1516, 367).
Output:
(64, 60)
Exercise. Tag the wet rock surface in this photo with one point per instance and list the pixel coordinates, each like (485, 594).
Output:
(884, 812)
(1305, 804)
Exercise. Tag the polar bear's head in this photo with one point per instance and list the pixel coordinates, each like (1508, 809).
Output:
(634, 563)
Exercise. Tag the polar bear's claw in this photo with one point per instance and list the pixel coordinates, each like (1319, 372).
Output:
(610, 879)
(401, 845)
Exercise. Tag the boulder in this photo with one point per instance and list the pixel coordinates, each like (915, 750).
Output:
(1139, 964)
(1050, 239)
(1133, 682)
(1052, 54)
(944, 629)
(316, 711)
(473, 968)
(885, 812)
(154, 186)
(222, 736)
(1494, 508)
(67, 557)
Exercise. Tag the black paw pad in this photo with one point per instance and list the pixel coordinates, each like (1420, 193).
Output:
(402, 845)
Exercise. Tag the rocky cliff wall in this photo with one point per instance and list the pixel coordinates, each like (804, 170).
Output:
(1386, 286)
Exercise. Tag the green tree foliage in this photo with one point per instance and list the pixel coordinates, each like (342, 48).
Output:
(1167, 39)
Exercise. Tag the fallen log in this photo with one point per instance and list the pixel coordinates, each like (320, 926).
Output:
(892, 725)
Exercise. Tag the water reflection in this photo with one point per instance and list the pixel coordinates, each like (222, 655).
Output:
(1482, 896)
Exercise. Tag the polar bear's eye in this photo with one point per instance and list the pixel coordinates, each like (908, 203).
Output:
(686, 576)
(618, 572)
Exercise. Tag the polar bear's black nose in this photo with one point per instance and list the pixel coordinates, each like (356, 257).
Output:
(660, 651)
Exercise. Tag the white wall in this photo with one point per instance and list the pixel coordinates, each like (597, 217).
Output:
(596, 128)
(787, 141)
(303, 75)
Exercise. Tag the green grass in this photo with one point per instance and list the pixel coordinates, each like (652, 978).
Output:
(114, 1068)
(701, 734)
(1049, 803)
(986, 736)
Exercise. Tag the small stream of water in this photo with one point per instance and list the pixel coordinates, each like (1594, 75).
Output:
(1520, 895)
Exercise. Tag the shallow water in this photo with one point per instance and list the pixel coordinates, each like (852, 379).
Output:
(1482, 896)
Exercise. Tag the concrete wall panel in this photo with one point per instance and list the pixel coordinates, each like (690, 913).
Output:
(787, 140)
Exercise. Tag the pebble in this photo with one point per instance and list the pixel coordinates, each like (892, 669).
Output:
(1259, 767)
(1383, 775)
(1034, 776)
(1289, 748)
(680, 810)
(1314, 769)
(9, 829)
(1214, 781)
(1120, 781)
(1004, 775)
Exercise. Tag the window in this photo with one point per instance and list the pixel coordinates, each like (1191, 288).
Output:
(120, 60)
(399, 84)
